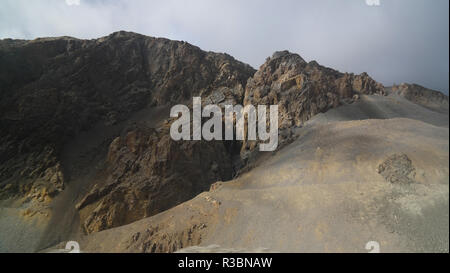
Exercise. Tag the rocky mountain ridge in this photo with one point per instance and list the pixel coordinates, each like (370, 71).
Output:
(425, 97)
(54, 89)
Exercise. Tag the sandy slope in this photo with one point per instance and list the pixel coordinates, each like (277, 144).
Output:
(321, 193)
(383, 107)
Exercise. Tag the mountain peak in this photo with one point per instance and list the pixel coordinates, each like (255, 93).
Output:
(286, 55)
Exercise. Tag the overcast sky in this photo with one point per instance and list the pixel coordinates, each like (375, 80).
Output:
(397, 41)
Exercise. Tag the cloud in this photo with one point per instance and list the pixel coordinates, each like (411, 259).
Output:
(73, 2)
(398, 41)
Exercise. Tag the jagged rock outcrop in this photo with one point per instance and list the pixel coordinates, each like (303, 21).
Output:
(397, 169)
(420, 95)
(302, 90)
(53, 88)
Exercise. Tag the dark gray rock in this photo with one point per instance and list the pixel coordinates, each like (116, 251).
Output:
(397, 169)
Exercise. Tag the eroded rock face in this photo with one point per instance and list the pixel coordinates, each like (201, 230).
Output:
(160, 239)
(51, 89)
(148, 173)
(302, 90)
(420, 95)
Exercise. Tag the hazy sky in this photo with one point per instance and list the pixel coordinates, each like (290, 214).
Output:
(397, 41)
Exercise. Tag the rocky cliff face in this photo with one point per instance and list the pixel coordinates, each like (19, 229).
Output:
(53, 90)
(148, 172)
(420, 95)
(302, 90)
